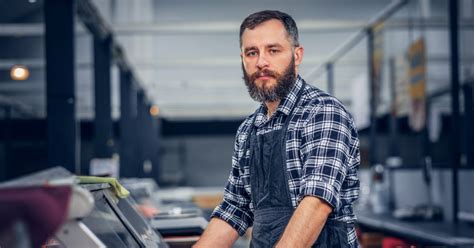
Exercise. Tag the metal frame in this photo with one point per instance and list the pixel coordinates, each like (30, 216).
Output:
(103, 136)
(60, 87)
(128, 109)
(455, 135)
(357, 37)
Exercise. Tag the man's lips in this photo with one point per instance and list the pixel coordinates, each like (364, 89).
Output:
(264, 76)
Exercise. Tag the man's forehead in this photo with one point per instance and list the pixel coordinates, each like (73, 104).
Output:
(270, 32)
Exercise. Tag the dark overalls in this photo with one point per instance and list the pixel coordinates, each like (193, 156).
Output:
(270, 191)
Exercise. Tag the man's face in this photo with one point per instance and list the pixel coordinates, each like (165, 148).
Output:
(269, 61)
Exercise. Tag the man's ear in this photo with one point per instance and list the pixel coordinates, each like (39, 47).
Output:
(299, 52)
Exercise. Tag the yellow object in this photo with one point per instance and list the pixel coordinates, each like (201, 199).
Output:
(119, 190)
(417, 71)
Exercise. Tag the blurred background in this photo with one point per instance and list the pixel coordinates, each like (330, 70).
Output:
(154, 89)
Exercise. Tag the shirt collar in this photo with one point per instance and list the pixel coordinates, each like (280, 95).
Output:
(287, 103)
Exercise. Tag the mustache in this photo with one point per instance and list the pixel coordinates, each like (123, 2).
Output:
(263, 73)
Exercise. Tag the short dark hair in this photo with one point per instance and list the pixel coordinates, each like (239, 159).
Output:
(257, 18)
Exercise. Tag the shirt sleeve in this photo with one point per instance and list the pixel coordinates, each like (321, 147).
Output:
(234, 208)
(325, 152)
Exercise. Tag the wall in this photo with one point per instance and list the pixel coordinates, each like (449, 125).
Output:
(196, 161)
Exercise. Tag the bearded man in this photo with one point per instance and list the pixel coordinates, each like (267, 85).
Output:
(296, 158)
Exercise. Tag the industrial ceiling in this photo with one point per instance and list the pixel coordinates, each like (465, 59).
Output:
(186, 55)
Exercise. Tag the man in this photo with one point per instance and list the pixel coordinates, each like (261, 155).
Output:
(295, 162)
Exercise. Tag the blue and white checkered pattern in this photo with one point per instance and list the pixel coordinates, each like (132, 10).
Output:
(323, 158)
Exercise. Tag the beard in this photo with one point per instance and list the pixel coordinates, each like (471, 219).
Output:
(284, 83)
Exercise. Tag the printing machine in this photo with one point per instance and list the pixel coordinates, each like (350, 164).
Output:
(95, 218)
(124, 226)
(180, 222)
(146, 191)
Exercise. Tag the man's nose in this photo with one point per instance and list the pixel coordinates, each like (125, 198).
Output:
(262, 62)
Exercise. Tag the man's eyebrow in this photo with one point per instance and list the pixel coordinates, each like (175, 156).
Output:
(274, 45)
(249, 48)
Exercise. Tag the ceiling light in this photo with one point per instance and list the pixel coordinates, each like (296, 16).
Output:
(154, 110)
(19, 72)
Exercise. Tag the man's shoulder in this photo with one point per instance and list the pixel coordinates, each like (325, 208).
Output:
(243, 132)
(246, 124)
(315, 98)
(245, 127)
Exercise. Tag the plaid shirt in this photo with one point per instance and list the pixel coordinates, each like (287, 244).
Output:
(322, 149)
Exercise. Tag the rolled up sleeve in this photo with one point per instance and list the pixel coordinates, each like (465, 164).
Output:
(325, 152)
(236, 217)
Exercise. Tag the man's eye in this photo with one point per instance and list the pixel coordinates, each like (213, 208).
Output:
(251, 53)
(273, 51)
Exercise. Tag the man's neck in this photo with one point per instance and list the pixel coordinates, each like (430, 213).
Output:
(272, 107)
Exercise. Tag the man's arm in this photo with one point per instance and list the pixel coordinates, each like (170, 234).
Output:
(232, 217)
(325, 149)
(306, 223)
(218, 234)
